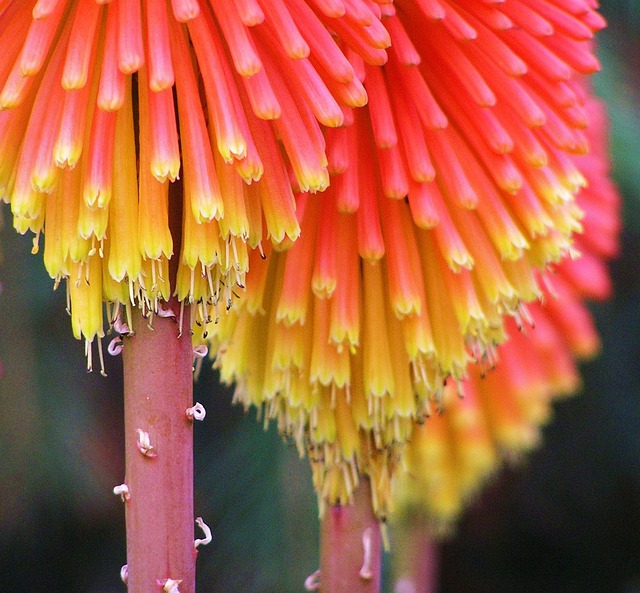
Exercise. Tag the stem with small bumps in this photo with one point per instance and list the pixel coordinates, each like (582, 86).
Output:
(158, 385)
(351, 546)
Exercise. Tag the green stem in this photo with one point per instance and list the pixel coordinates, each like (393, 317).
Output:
(346, 531)
(158, 385)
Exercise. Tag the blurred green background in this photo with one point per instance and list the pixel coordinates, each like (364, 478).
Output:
(568, 520)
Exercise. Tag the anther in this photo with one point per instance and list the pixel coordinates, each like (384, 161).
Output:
(123, 491)
(365, 572)
(181, 318)
(169, 585)
(124, 573)
(196, 412)
(312, 582)
(144, 444)
(101, 357)
(115, 346)
(207, 533)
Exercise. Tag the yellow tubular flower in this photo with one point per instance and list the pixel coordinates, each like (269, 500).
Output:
(450, 192)
(104, 104)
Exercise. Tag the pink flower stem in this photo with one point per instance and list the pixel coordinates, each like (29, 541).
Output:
(416, 557)
(158, 385)
(351, 546)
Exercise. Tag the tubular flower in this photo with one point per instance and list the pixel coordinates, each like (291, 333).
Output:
(450, 190)
(451, 455)
(103, 104)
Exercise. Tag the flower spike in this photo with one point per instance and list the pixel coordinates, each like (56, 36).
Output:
(451, 193)
(254, 88)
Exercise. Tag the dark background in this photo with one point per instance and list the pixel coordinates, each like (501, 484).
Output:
(567, 520)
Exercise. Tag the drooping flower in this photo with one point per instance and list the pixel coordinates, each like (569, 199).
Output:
(450, 456)
(450, 191)
(103, 104)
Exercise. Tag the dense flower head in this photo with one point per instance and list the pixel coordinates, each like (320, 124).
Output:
(104, 103)
(450, 192)
(451, 455)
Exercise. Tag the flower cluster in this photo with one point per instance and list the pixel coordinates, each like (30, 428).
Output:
(451, 455)
(450, 192)
(397, 175)
(104, 103)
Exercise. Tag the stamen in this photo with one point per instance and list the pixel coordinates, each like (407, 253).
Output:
(124, 573)
(101, 357)
(88, 353)
(181, 317)
(366, 572)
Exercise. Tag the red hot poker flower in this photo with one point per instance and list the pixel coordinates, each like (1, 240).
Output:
(103, 104)
(450, 191)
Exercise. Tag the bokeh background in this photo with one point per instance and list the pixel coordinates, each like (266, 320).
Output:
(566, 520)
